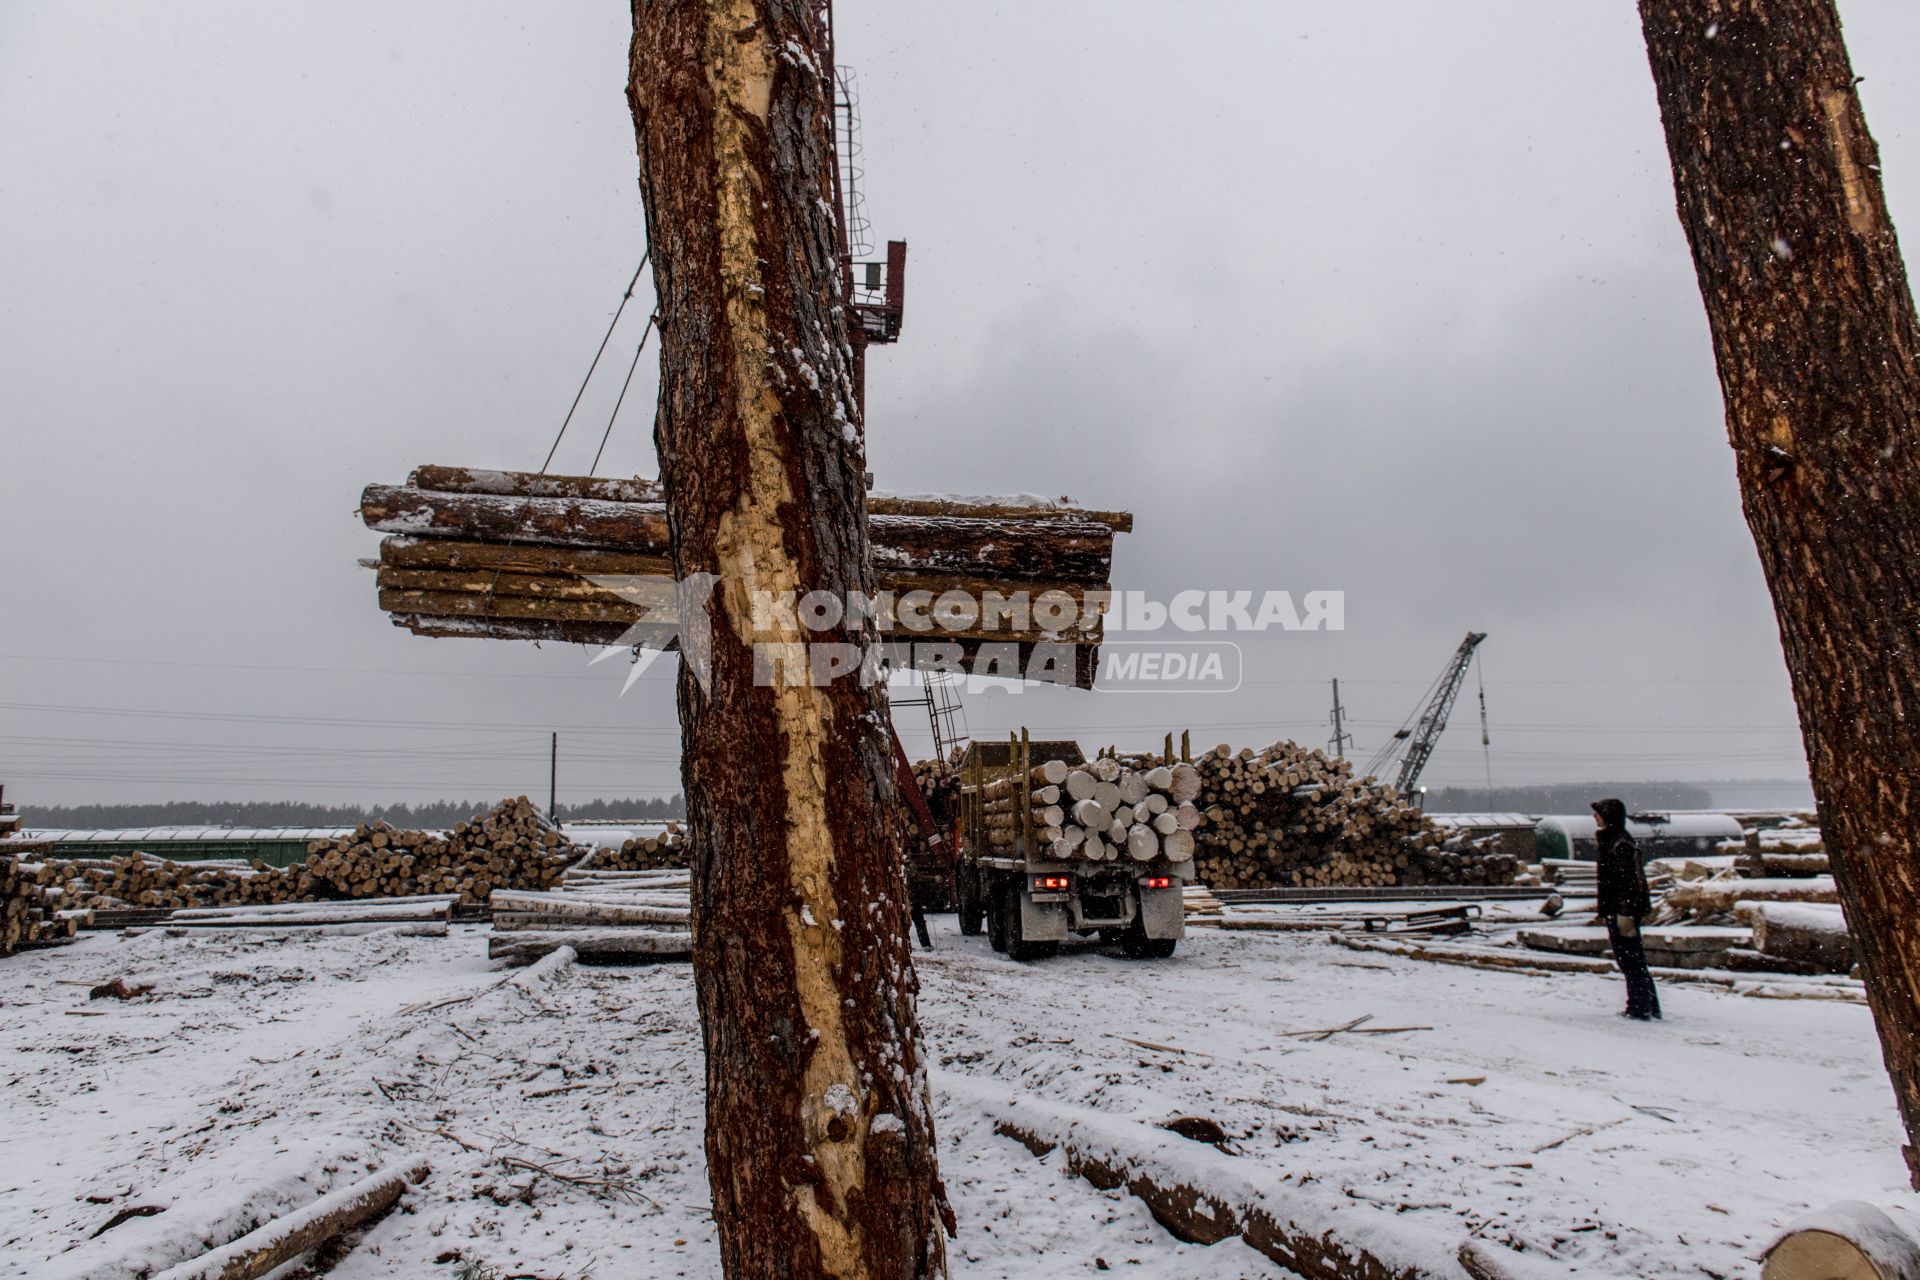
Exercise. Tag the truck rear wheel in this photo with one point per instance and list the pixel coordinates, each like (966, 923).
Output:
(996, 913)
(1007, 914)
(972, 911)
(1138, 946)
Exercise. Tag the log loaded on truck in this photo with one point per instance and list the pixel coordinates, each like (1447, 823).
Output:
(1053, 845)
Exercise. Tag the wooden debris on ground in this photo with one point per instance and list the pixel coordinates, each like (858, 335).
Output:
(1808, 936)
(1852, 1240)
(606, 917)
(1713, 901)
(280, 1241)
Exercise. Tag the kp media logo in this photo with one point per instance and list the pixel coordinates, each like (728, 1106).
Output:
(1009, 640)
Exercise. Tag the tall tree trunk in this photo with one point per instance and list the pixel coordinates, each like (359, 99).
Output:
(819, 1132)
(1814, 334)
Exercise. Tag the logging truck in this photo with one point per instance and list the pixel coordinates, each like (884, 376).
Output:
(1030, 876)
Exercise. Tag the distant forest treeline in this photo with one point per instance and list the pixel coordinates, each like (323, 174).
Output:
(1569, 797)
(292, 813)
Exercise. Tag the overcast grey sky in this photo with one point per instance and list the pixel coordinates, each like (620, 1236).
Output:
(1389, 299)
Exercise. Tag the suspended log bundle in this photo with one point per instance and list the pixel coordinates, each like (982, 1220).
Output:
(660, 851)
(1290, 815)
(514, 845)
(509, 555)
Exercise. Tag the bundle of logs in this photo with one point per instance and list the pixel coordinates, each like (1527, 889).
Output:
(30, 907)
(1290, 815)
(660, 851)
(1100, 811)
(514, 845)
(512, 555)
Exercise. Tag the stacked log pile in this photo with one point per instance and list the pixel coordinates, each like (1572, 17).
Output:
(514, 845)
(30, 907)
(511, 555)
(1104, 810)
(134, 880)
(1290, 815)
(661, 851)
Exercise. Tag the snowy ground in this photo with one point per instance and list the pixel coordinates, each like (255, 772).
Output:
(561, 1107)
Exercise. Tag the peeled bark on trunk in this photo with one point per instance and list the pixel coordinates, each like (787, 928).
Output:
(820, 1140)
(1778, 183)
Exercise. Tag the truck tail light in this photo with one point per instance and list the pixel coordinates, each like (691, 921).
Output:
(1157, 882)
(1053, 884)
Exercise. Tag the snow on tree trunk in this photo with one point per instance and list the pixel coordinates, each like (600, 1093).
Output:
(819, 1132)
(1778, 183)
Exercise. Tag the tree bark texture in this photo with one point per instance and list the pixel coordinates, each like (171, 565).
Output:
(820, 1138)
(1778, 183)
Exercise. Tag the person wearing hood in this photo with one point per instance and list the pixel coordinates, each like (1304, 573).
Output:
(1624, 902)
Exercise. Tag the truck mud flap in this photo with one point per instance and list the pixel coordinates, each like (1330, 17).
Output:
(1043, 921)
(1163, 913)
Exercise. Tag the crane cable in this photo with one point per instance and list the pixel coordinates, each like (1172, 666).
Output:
(625, 298)
(652, 320)
(567, 421)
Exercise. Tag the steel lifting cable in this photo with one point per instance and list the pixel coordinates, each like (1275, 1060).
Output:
(622, 398)
(625, 298)
(618, 311)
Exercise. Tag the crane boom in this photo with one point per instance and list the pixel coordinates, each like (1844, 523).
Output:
(1433, 720)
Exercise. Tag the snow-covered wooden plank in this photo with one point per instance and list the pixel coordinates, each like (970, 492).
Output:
(284, 1239)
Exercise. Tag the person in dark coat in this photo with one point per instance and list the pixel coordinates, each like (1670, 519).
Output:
(1624, 903)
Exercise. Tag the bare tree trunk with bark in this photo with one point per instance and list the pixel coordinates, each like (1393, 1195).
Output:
(1814, 334)
(819, 1131)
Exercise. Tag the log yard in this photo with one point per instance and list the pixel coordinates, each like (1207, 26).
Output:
(887, 867)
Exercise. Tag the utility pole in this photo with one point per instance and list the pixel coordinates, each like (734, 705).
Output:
(1486, 745)
(553, 780)
(1340, 736)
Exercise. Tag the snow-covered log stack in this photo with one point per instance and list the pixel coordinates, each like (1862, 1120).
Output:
(1100, 811)
(1290, 815)
(134, 880)
(511, 555)
(513, 845)
(661, 851)
(30, 906)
